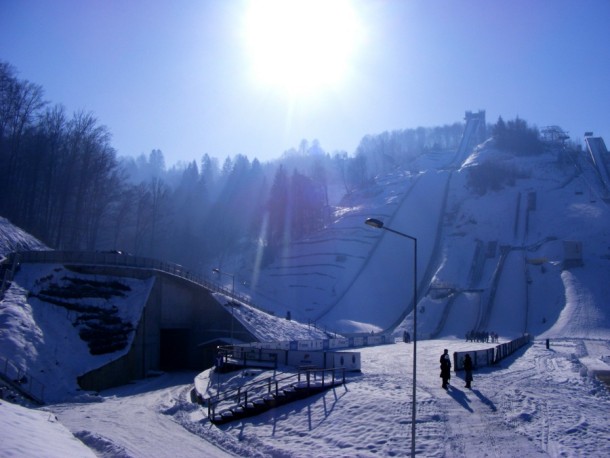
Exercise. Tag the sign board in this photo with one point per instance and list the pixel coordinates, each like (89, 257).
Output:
(306, 358)
(310, 345)
(350, 361)
(338, 343)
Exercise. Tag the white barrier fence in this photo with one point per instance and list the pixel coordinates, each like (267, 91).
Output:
(489, 356)
(324, 344)
(305, 353)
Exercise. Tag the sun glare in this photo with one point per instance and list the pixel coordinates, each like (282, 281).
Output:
(301, 45)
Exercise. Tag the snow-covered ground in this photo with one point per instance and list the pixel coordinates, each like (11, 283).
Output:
(538, 402)
(14, 239)
(355, 278)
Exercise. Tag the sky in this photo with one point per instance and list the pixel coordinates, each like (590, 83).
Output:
(255, 78)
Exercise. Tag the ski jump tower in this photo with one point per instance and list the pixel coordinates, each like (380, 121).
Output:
(475, 132)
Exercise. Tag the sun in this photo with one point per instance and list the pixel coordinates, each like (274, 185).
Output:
(301, 46)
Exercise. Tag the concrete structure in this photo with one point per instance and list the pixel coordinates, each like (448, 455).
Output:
(181, 325)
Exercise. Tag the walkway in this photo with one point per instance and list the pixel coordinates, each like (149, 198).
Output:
(123, 261)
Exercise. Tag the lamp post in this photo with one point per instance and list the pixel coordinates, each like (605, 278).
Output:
(220, 272)
(379, 225)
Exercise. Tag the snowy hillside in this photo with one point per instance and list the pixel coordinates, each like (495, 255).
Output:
(56, 332)
(14, 239)
(57, 324)
(491, 236)
(490, 257)
(491, 251)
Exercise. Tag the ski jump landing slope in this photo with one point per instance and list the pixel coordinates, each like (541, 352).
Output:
(382, 291)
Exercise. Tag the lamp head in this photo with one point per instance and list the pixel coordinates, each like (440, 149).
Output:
(374, 222)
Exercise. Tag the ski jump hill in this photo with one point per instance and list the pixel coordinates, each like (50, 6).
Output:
(516, 257)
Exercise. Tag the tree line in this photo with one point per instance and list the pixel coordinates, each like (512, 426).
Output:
(62, 181)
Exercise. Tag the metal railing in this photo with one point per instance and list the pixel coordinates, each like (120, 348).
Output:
(22, 381)
(245, 356)
(100, 258)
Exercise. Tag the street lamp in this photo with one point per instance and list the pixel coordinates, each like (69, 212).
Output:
(220, 272)
(379, 225)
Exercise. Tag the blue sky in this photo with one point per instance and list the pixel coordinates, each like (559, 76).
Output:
(179, 76)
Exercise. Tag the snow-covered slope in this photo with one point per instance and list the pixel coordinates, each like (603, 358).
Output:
(14, 239)
(57, 324)
(489, 257)
(495, 246)
(495, 257)
(49, 339)
(29, 433)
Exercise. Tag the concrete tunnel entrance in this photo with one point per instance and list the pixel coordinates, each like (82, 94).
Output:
(174, 349)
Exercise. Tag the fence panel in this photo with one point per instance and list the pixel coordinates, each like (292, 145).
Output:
(489, 356)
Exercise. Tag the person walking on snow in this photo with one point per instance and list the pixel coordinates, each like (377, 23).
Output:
(468, 369)
(445, 368)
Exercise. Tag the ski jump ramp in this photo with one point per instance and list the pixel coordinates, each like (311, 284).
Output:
(599, 154)
(474, 132)
(383, 290)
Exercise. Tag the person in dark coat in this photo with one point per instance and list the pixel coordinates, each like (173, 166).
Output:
(468, 369)
(445, 368)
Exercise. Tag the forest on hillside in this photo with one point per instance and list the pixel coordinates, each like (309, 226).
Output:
(62, 181)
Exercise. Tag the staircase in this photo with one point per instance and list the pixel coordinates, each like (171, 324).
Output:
(260, 396)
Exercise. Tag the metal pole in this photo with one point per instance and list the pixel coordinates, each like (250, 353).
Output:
(220, 272)
(414, 411)
(379, 224)
(413, 414)
(232, 321)
(232, 307)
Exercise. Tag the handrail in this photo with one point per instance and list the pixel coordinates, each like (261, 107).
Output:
(245, 354)
(22, 381)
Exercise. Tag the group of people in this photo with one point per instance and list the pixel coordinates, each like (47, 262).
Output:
(481, 336)
(446, 369)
